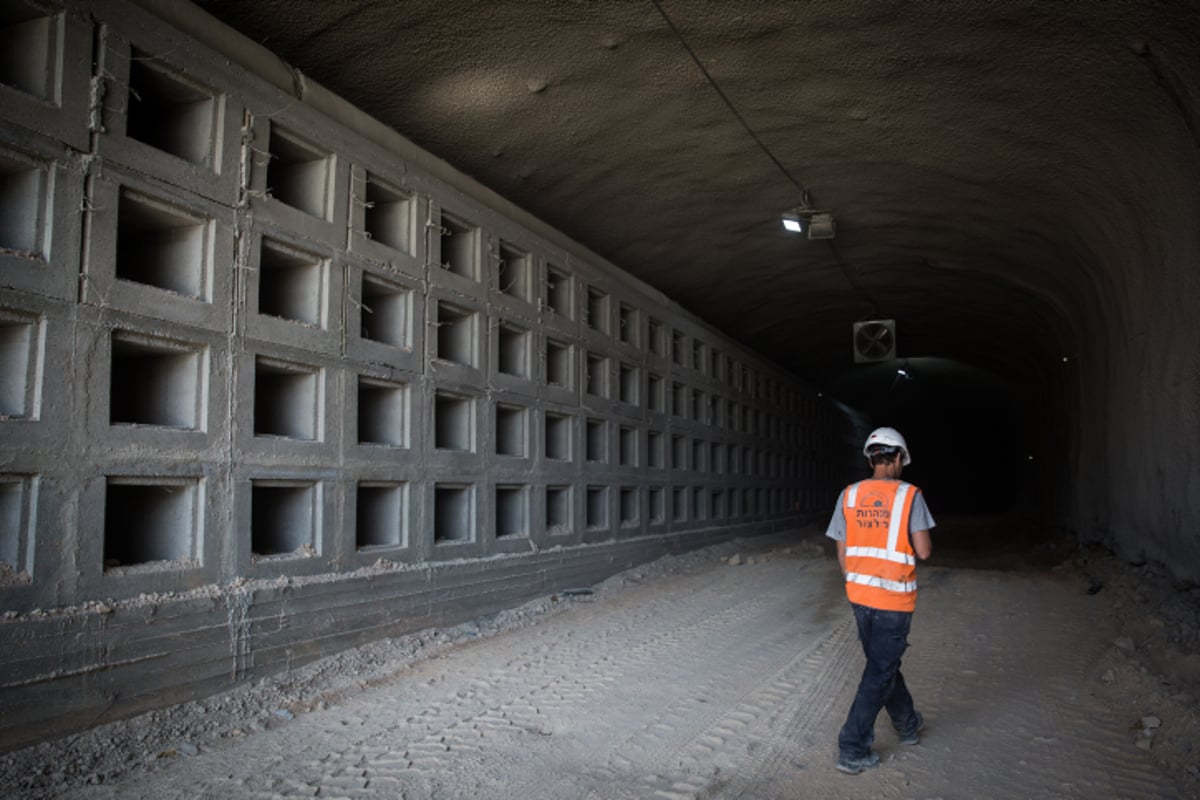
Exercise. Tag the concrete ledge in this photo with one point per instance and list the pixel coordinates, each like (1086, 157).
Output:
(76, 667)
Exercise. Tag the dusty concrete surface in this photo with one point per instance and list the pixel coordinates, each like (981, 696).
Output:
(723, 673)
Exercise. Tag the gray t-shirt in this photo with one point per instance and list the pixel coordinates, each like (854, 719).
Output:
(919, 518)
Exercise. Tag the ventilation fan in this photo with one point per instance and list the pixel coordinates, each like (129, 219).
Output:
(874, 340)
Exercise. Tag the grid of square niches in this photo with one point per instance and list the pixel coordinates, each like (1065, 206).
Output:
(533, 318)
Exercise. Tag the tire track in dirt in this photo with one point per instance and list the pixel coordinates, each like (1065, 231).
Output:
(763, 730)
(501, 705)
(730, 636)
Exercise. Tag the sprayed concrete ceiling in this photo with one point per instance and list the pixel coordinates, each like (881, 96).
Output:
(969, 151)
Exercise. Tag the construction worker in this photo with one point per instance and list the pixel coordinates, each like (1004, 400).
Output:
(881, 526)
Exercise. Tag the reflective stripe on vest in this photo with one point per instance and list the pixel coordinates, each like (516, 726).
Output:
(879, 552)
(880, 567)
(881, 583)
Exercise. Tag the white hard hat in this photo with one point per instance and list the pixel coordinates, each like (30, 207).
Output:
(888, 437)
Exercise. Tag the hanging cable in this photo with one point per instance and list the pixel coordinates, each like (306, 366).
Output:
(837, 257)
(729, 103)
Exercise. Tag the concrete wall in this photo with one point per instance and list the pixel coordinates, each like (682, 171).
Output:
(274, 382)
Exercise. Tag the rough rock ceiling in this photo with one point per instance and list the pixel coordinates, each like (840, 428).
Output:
(971, 152)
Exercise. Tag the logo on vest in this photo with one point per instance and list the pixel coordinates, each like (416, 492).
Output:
(873, 511)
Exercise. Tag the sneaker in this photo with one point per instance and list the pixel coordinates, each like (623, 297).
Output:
(915, 736)
(853, 766)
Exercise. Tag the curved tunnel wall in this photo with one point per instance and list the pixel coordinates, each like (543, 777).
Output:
(1137, 475)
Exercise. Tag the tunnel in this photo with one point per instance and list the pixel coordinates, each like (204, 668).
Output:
(326, 323)
(1014, 187)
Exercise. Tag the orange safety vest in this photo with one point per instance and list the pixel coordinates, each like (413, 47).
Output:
(881, 567)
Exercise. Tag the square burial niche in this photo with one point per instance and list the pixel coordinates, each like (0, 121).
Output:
(389, 215)
(457, 334)
(512, 511)
(628, 383)
(679, 507)
(156, 382)
(460, 247)
(716, 458)
(29, 45)
(382, 413)
(559, 518)
(163, 246)
(657, 505)
(654, 450)
(699, 406)
(291, 284)
(558, 292)
(597, 310)
(680, 395)
(287, 400)
(514, 272)
(631, 514)
(679, 449)
(699, 451)
(453, 513)
(597, 507)
(597, 375)
(558, 437)
(627, 325)
(654, 393)
(699, 356)
(380, 515)
(147, 520)
(17, 340)
(699, 503)
(679, 351)
(558, 364)
(12, 525)
(284, 518)
(386, 312)
(655, 339)
(512, 350)
(512, 432)
(597, 441)
(170, 112)
(23, 195)
(453, 422)
(299, 174)
(628, 455)
(716, 506)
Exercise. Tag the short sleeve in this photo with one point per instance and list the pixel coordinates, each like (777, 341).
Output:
(837, 525)
(919, 518)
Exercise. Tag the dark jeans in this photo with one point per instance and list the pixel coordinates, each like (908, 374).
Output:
(884, 637)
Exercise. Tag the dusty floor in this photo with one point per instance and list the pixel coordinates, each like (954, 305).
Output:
(695, 677)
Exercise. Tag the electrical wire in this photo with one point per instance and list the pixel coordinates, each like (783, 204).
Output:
(729, 103)
(837, 256)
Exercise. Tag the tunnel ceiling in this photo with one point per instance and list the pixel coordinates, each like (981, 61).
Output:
(969, 151)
